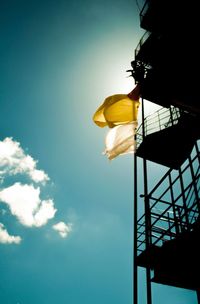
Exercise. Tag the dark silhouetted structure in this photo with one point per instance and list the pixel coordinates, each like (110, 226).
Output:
(166, 65)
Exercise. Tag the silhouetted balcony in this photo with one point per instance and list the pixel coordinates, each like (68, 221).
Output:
(171, 48)
(162, 16)
(169, 136)
(149, 18)
(174, 252)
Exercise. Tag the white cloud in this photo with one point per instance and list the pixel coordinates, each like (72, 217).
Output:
(63, 229)
(24, 202)
(6, 238)
(13, 160)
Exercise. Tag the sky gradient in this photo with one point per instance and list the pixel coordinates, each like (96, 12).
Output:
(65, 211)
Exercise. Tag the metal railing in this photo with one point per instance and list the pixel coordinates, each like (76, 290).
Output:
(174, 204)
(141, 42)
(161, 119)
(144, 10)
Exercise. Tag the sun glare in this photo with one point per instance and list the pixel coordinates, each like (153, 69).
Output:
(122, 85)
(127, 85)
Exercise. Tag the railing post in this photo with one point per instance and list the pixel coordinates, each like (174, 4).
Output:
(171, 115)
(198, 295)
(197, 151)
(159, 121)
(173, 204)
(135, 268)
(147, 215)
(194, 182)
(183, 198)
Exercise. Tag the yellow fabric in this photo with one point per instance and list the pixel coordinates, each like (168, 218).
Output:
(116, 110)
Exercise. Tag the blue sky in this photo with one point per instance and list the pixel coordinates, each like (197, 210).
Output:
(73, 243)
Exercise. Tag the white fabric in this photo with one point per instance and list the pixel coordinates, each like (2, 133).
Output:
(121, 140)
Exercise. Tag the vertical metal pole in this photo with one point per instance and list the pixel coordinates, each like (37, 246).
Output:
(135, 268)
(171, 116)
(159, 121)
(183, 198)
(194, 183)
(198, 155)
(147, 215)
(198, 296)
(197, 151)
(173, 205)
